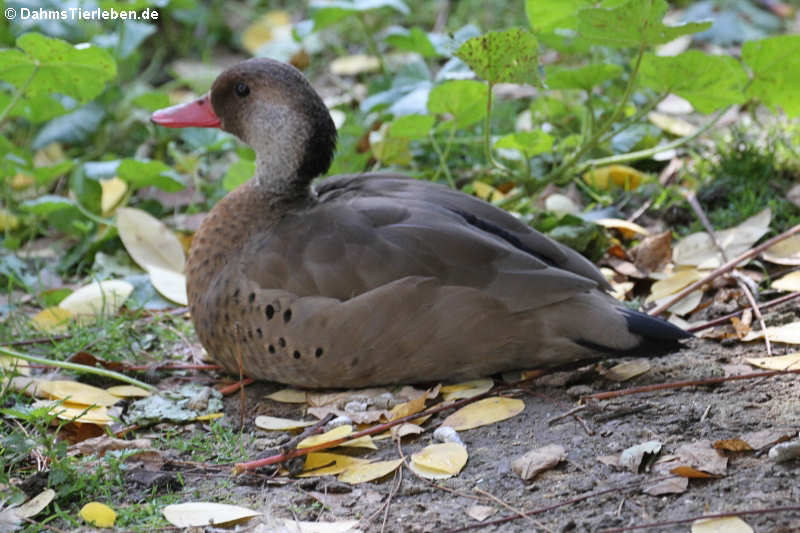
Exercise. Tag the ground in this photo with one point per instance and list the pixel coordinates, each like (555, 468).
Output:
(674, 417)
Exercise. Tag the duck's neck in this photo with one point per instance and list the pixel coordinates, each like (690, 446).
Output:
(278, 178)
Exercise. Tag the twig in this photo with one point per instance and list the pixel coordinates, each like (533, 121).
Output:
(233, 387)
(571, 412)
(770, 510)
(681, 384)
(727, 267)
(399, 475)
(522, 514)
(725, 319)
(691, 197)
(78, 368)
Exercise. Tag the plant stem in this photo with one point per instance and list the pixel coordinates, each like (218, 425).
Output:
(91, 216)
(77, 368)
(372, 45)
(16, 96)
(487, 132)
(443, 157)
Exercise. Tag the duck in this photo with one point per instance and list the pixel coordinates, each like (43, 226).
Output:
(373, 279)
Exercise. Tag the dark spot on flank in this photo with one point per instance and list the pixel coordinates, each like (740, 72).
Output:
(271, 349)
(227, 317)
(354, 362)
(251, 297)
(236, 293)
(318, 352)
(250, 333)
(269, 311)
(296, 354)
(260, 333)
(287, 315)
(282, 342)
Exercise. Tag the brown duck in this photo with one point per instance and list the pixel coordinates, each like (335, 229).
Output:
(374, 279)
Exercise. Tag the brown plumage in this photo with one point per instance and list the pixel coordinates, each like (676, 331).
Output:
(376, 278)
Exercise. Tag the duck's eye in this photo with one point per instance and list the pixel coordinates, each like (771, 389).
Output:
(241, 89)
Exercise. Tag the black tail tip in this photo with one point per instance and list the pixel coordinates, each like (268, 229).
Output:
(653, 328)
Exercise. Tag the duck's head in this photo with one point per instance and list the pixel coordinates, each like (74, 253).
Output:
(270, 106)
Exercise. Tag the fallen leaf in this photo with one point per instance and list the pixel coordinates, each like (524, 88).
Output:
(653, 252)
(786, 252)
(268, 27)
(76, 393)
(98, 298)
(98, 514)
(535, 461)
(741, 329)
(766, 438)
(128, 391)
(288, 396)
(627, 370)
(691, 472)
(407, 408)
(484, 191)
(354, 64)
(628, 229)
(702, 456)
(170, 284)
(733, 445)
(113, 189)
(698, 249)
(361, 473)
(790, 361)
(406, 429)
(673, 283)
(674, 125)
(87, 415)
(484, 412)
(480, 512)
(299, 526)
(149, 241)
(725, 524)
(788, 333)
(439, 461)
(326, 464)
(13, 364)
(199, 514)
(789, 282)
(640, 456)
(605, 178)
(467, 389)
(273, 423)
(672, 485)
(36, 504)
(103, 444)
(336, 433)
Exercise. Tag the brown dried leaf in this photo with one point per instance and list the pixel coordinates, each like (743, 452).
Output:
(535, 461)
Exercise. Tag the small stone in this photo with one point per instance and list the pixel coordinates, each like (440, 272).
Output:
(785, 451)
(447, 434)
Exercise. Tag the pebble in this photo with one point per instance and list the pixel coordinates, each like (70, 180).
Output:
(785, 451)
(447, 434)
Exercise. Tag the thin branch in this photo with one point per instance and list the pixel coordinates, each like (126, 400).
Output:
(727, 267)
(726, 318)
(770, 510)
(522, 514)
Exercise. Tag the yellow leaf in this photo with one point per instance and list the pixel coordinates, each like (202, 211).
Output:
(408, 408)
(439, 461)
(672, 284)
(170, 284)
(113, 189)
(22, 181)
(367, 472)
(128, 391)
(789, 282)
(273, 423)
(788, 333)
(209, 416)
(20, 366)
(789, 361)
(324, 464)
(76, 393)
(265, 29)
(52, 319)
(786, 252)
(364, 441)
(725, 524)
(483, 412)
(199, 514)
(98, 298)
(90, 415)
(467, 389)
(354, 64)
(605, 178)
(674, 125)
(98, 514)
(8, 221)
(149, 241)
(288, 396)
(627, 370)
(698, 249)
(484, 191)
(628, 229)
(335, 433)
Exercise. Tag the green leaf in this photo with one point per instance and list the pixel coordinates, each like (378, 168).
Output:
(328, 12)
(585, 78)
(530, 143)
(465, 100)
(152, 100)
(411, 126)
(56, 67)
(144, 173)
(49, 203)
(238, 173)
(545, 16)
(510, 56)
(633, 24)
(775, 62)
(71, 128)
(708, 82)
(86, 190)
(413, 40)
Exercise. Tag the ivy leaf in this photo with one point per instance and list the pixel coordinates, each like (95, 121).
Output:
(775, 62)
(144, 173)
(413, 40)
(54, 66)
(530, 143)
(328, 12)
(585, 78)
(465, 100)
(510, 56)
(707, 82)
(632, 24)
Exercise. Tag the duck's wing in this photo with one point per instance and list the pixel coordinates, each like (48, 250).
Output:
(363, 235)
